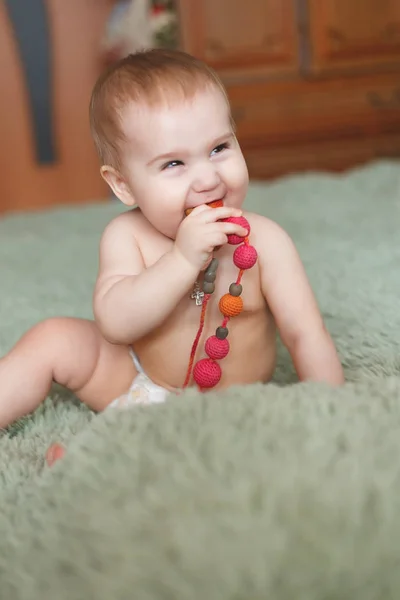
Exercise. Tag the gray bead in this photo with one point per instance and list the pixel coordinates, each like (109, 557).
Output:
(213, 266)
(235, 289)
(208, 287)
(221, 333)
(210, 277)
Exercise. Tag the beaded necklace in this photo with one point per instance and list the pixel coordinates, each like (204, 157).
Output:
(207, 371)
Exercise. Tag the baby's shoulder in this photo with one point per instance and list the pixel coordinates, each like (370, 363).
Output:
(121, 234)
(265, 231)
(119, 249)
(126, 225)
(126, 221)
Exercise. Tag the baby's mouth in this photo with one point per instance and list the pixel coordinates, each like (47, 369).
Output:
(213, 204)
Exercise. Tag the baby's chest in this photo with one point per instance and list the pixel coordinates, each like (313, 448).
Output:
(234, 292)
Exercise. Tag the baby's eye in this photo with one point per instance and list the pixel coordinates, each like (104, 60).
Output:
(171, 164)
(218, 149)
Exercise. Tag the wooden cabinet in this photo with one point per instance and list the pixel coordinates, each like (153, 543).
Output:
(257, 41)
(356, 33)
(314, 84)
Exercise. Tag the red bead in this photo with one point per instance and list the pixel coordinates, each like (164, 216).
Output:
(216, 348)
(245, 256)
(233, 238)
(207, 373)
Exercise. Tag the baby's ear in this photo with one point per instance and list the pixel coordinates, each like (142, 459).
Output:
(117, 183)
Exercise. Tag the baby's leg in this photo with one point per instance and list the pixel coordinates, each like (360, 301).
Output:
(68, 351)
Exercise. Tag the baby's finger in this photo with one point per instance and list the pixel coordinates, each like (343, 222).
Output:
(217, 214)
(230, 228)
(196, 211)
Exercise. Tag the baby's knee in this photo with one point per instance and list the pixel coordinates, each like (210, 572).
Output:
(71, 348)
(58, 338)
(48, 330)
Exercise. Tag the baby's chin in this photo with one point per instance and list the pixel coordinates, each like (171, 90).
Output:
(168, 229)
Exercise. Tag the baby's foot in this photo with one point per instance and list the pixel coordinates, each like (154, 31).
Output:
(54, 453)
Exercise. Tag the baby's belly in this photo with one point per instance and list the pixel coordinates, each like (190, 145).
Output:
(251, 358)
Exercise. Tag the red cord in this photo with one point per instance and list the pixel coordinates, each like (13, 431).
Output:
(197, 339)
(239, 278)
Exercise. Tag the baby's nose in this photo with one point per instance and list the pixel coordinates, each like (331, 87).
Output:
(206, 179)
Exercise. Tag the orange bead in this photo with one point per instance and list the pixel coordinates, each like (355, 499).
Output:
(230, 306)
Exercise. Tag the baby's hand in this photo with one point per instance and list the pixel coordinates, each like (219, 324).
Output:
(202, 231)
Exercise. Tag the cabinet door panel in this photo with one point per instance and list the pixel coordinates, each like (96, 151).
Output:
(354, 33)
(241, 38)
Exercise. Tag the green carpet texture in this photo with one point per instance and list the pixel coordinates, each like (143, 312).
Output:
(284, 491)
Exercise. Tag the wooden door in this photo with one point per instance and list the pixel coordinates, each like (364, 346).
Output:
(72, 176)
(241, 39)
(354, 34)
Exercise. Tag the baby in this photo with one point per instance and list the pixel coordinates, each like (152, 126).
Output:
(162, 126)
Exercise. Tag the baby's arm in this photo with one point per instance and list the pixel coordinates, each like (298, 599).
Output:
(131, 300)
(293, 305)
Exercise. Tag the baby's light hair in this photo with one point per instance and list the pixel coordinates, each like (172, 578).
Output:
(151, 77)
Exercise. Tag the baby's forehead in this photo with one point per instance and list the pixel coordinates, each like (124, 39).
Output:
(174, 104)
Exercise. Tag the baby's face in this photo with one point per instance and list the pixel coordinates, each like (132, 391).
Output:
(182, 156)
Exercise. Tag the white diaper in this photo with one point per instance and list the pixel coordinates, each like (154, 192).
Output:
(142, 391)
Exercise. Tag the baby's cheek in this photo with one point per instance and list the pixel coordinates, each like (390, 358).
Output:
(238, 172)
(239, 179)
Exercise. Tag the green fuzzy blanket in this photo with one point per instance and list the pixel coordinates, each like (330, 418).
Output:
(285, 491)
